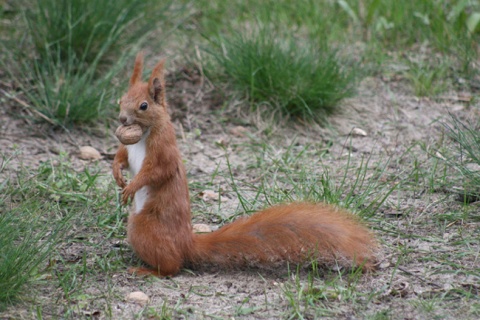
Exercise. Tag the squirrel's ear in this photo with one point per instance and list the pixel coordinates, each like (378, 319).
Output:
(156, 84)
(137, 69)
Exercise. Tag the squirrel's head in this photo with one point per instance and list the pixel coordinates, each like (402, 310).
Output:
(144, 103)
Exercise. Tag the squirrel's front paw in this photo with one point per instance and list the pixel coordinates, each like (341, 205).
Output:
(127, 193)
(117, 175)
(120, 180)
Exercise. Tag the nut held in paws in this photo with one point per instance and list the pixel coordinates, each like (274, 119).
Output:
(129, 134)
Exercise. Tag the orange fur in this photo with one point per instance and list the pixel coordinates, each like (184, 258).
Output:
(161, 232)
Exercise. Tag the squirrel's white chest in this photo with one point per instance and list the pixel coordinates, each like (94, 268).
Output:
(136, 156)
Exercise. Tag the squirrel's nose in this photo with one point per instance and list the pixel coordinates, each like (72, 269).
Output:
(123, 119)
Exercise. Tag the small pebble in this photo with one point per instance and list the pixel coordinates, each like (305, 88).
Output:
(138, 297)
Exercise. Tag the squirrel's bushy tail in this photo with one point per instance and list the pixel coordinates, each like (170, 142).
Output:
(296, 233)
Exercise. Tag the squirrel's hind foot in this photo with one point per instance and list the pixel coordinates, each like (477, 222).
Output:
(143, 271)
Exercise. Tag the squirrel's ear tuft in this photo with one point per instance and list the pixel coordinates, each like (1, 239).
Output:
(156, 84)
(137, 69)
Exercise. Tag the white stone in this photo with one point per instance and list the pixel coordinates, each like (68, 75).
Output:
(138, 297)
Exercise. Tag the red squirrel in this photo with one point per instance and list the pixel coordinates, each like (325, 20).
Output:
(159, 225)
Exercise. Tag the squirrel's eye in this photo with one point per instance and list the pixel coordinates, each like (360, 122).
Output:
(144, 106)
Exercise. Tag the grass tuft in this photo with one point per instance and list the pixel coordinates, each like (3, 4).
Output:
(73, 49)
(427, 80)
(88, 31)
(296, 78)
(29, 234)
(465, 157)
(44, 210)
(298, 173)
(62, 94)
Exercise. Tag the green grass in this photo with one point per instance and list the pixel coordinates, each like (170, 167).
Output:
(44, 210)
(448, 28)
(300, 174)
(307, 17)
(287, 56)
(464, 156)
(427, 79)
(374, 27)
(72, 50)
(30, 231)
(318, 292)
(90, 32)
(405, 23)
(295, 78)
(27, 240)
(61, 93)
(92, 278)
